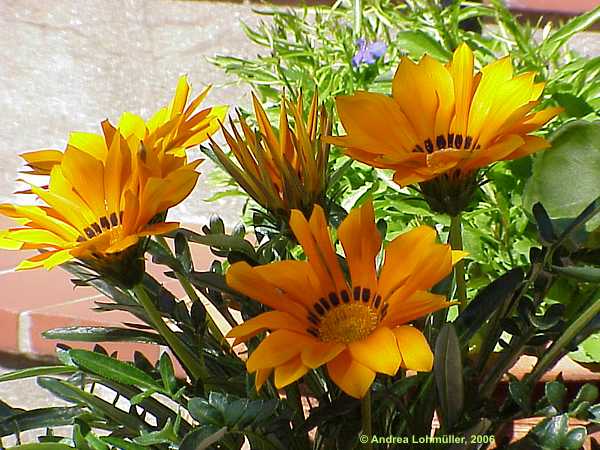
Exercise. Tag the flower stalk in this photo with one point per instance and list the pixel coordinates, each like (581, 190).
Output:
(190, 361)
(455, 240)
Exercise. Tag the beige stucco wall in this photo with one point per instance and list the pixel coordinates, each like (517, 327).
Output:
(67, 65)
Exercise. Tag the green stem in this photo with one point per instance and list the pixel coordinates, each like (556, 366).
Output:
(189, 360)
(558, 347)
(358, 16)
(455, 240)
(365, 410)
(193, 296)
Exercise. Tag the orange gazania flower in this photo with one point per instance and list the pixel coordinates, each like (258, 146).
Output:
(357, 327)
(444, 119)
(163, 139)
(96, 208)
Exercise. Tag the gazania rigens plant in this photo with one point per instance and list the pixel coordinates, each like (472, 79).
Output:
(443, 122)
(357, 327)
(317, 327)
(285, 169)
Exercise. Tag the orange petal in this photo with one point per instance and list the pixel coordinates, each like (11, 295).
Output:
(289, 372)
(352, 377)
(415, 350)
(261, 376)
(277, 348)
(378, 352)
(419, 304)
(361, 241)
(271, 320)
(248, 281)
(319, 353)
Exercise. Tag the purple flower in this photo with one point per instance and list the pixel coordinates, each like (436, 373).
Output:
(368, 52)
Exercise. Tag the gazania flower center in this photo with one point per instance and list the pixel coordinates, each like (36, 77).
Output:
(348, 323)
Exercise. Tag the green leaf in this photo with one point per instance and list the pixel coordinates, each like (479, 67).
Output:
(583, 273)
(40, 418)
(572, 27)
(211, 280)
(551, 432)
(151, 405)
(417, 43)
(587, 393)
(235, 410)
(447, 369)
(167, 374)
(591, 346)
(520, 393)
(6, 410)
(113, 369)
(488, 300)
(183, 253)
(573, 228)
(227, 193)
(70, 393)
(166, 435)
(205, 413)
(565, 177)
(556, 393)
(140, 397)
(162, 256)
(103, 334)
(36, 371)
(544, 223)
(265, 409)
(574, 106)
(221, 241)
(575, 438)
(202, 437)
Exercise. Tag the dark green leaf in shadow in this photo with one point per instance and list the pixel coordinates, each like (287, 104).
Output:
(448, 373)
(581, 273)
(202, 437)
(40, 418)
(544, 223)
(574, 106)
(488, 300)
(183, 253)
(555, 394)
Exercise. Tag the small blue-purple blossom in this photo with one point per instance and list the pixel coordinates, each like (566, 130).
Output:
(368, 52)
